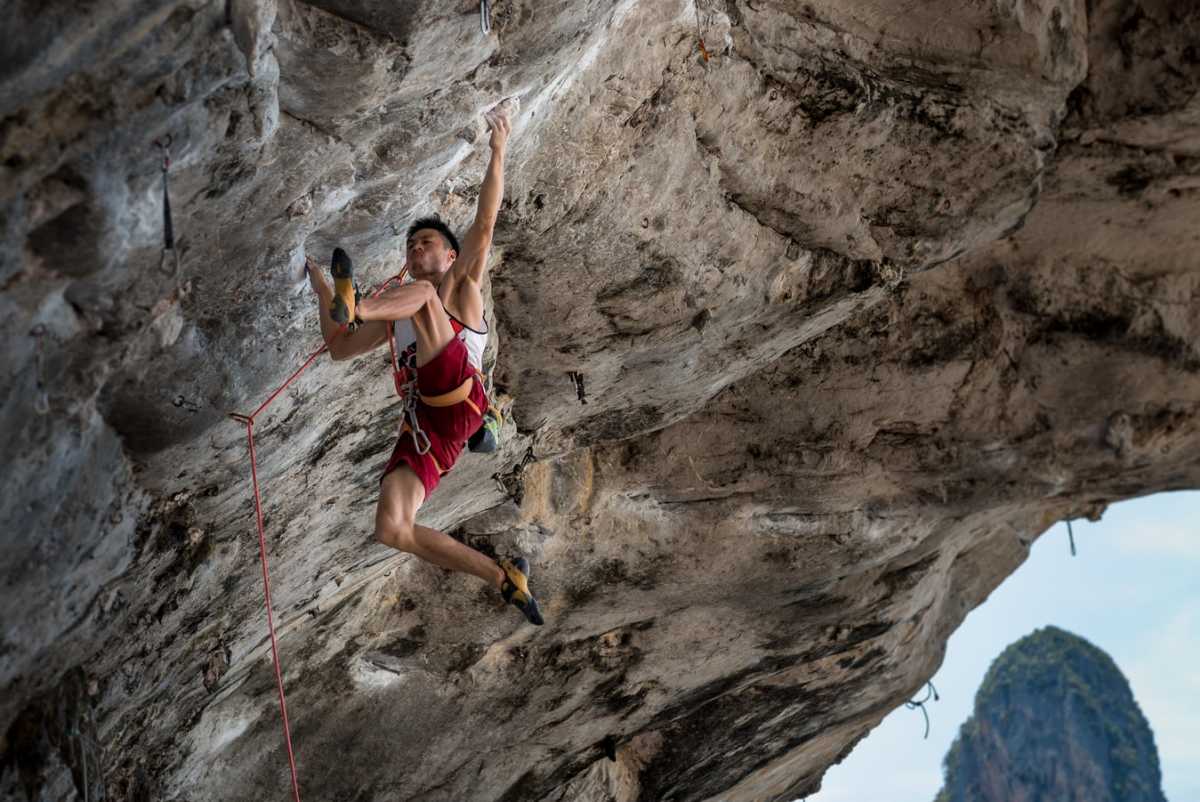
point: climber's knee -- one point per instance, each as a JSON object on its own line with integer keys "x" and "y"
{"x": 393, "y": 532}
{"x": 400, "y": 495}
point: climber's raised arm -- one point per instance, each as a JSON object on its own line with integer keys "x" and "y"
{"x": 472, "y": 262}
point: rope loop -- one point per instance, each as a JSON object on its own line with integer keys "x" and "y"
{"x": 913, "y": 704}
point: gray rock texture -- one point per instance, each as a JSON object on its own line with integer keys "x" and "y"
{"x": 861, "y": 296}
{"x": 1054, "y": 721}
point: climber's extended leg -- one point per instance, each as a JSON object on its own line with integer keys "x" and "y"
{"x": 401, "y": 494}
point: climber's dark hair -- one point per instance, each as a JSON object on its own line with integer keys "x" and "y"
{"x": 437, "y": 225}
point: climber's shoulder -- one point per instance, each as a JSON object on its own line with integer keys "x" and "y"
{"x": 463, "y": 299}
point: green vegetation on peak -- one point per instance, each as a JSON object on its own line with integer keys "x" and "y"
{"x": 1054, "y": 719}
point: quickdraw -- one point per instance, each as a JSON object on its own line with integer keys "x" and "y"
{"x": 166, "y": 266}
{"x": 41, "y": 404}
{"x": 485, "y": 17}
{"x": 410, "y": 421}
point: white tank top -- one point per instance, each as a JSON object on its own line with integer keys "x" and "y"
{"x": 406, "y": 343}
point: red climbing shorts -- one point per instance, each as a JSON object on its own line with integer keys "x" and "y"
{"x": 447, "y": 427}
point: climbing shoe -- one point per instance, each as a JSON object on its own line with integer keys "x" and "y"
{"x": 487, "y": 437}
{"x": 515, "y": 589}
{"x": 344, "y": 310}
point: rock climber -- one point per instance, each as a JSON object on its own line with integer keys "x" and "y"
{"x": 437, "y": 320}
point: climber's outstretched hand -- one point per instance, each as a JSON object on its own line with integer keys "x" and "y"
{"x": 500, "y": 125}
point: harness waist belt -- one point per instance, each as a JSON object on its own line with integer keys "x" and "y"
{"x": 455, "y": 396}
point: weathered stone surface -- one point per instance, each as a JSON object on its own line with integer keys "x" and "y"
{"x": 859, "y": 305}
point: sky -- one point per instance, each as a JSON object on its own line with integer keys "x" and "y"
{"x": 1133, "y": 590}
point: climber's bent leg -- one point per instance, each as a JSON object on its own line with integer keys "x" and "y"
{"x": 401, "y": 495}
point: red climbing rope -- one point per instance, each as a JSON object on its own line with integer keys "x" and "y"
{"x": 262, "y": 550}
{"x": 262, "y": 538}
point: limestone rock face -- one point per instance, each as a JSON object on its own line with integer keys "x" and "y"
{"x": 1055, "y": 719}
{"x": 808, "y": 317}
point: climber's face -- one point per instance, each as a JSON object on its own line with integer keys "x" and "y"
{"x": 429, "y": 255}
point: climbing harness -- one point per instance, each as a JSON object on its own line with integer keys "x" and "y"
{"x": 459, "y": 395}
{"x": 485, "y": 17}
{"x": 167, "y": 266}
{"x": 41, "y": 403}
{"x": 1071, "y": 536}
{"x": 913, "y": 704}
{"x": 408, "y": 393}
{"x": 406, "y": 387}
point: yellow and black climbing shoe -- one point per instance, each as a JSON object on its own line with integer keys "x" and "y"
{"x": 345, "y": 292}
{"x": 515, "y": 589}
